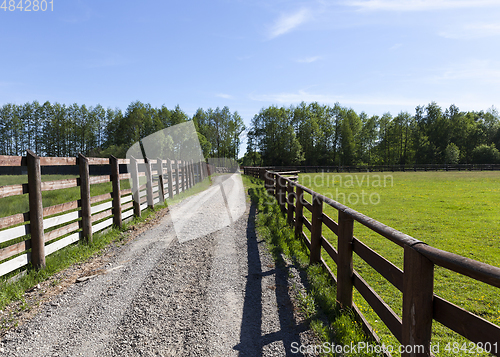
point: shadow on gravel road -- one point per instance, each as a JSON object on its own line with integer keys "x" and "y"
{"x": 252, "y": 338}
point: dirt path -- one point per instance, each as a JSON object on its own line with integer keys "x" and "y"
{"x": 217, "y": 293}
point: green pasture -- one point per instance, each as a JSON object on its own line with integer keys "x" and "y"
{"x": 454, "y": 211}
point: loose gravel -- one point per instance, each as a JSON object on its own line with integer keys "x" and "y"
{"x": 218, "y": 295}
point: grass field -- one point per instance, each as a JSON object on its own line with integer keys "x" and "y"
{"x": 455, "y": 211}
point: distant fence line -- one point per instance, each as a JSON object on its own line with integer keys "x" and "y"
{"x": 416, "y": 281}
{"x": 46, "y": 226}
{"x": 388, "y": 168}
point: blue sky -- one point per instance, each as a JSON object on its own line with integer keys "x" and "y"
{"x": 371, "y": 55}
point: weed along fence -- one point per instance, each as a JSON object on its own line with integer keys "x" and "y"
{"x": 416, "y": 281}
{"x": 30, "y": 236}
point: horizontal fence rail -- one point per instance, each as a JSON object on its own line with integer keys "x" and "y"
{"x": 416, "y": 281}
{"x": 384, "y": 168}
{"x": 44, "y": 230}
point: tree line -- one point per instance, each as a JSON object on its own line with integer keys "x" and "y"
{"x": 314, "y": 134}
{"x": 306, "y": 134}
{"x": 59, "y": 130}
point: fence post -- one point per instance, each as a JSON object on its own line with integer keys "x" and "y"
{"x": 170, "y": 179}
{"x": 261, "y": 173}
{"x": 278, "y": 189}
{"x": 135, "y": 186}
{"x": 201, "y": 171}
{"x": 267, "y": 181}
{"x": 161, "y": 184}
{"x": 195, "y": 170}
{"x": 282, "y": 198}
{"x": 183, "y": 171}
{"x": 83, "y": 162}
{"x": 36, "y": 210}
{"x": 193, "y": 173}
{"x": 268, "y": 184}
{"x": 275, "y": 185}
{"x": 417, "y": 301}
{"x": 190, "y": 174}
{"x": 344, "y": 266}
{"x": 191, "y": 165}
{"x": 185, "y": 174}
{"x": 115, "y": 178}
{"x": 149, "y": 183}
{"x": 290, "y": 196}
{"x": 177, "y": 177}
{"x": 316, "y": 223}
{"x": 283, "y": 194}
{"x": 299, "y": 198}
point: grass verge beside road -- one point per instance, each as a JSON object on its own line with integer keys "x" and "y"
{"x": 319, "y": 302}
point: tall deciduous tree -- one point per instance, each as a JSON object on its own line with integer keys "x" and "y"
{"x": 274, "y": 135}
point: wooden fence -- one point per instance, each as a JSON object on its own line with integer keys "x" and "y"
{"x": 389, "y": 168}
{"x": 41, "y": 228}
{"x": 416, "y": 281}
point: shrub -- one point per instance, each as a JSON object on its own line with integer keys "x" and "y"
{"x": 484, "y": 154}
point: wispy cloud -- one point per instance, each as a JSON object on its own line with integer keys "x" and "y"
{"x": 478, "y": 71}
{"x": 287, "y": 22}
{"x": 471, "y": 31}
{"x": 223, "y": 95}
{"x": 297, "y": 97}
{"x": 285, "y": 98}
{"x": 380, "y": 103}
{"x": 309, "y": 59}
{"x": 420, "y": 5}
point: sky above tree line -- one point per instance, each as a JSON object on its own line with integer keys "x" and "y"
{"x": 375, "y": 56}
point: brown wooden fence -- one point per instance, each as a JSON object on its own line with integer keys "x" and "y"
{"x": 80, "y": 219}
{"x": 416, "y": 281}
{"x": 389, "y": 168}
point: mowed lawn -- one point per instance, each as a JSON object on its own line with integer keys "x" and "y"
{"x": 454, "y": 211}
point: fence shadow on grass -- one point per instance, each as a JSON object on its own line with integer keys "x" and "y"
{"x": 252, "y": 337}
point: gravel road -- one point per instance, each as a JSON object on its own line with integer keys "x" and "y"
{"x": 217, "y": 293}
